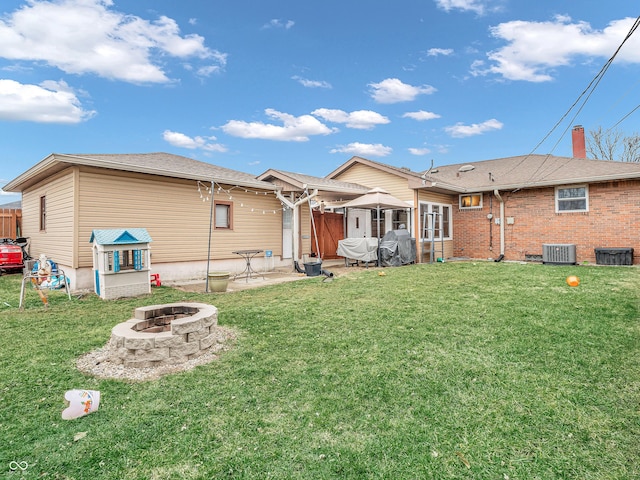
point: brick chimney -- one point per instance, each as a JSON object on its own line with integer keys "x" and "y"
{"x": 577, "y": 138}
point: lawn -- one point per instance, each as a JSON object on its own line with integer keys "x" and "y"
{"x": 469, "y": 370}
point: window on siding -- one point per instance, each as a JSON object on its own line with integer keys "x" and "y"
{"x": 435, "y": 221}
{"x": 572, "y": 199}
{"x": 374, "y": 224}
{"x": 224, "y": 215}
{"x": 471, "y": 201}
{"x": 400, "y": 217}
{"x": 43, "y": 213}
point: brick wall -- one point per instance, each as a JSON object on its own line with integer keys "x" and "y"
{"x": 613, "y": 221}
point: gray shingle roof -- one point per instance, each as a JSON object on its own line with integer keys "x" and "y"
{"x": 321, "y": 183}
{"x": 530, "y": 171}
{"x": 159, "y": 163}
{"x": 171, "y": 165}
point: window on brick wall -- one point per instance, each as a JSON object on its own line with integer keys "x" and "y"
{"x": 572, "y": 199}
{"x": 471, "y": 201}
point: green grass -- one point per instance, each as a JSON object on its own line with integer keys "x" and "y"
{"x": 446, "y": 371}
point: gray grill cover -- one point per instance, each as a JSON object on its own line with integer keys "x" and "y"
{"x": 397, "y": 248}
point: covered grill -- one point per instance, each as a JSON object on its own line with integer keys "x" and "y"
{"x": 397, "y": 248}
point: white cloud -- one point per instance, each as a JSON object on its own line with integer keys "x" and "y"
{"x": 208, "y": 70}
{"x": 534, "y": 49}
{"x": 181, "y": 140}
{"x": 360, "y": 119}
{"x": 311, "y": 83}
{"x": 277, "y": 23}
{"x": 393, "y": 90}
{"x": 88, "y": 36}
{"x": 477, "y": 6}
{"x": 421, "y": 115}
{"x": 50, "y": 102}
{"x": 419, "y": 151}
{"x": 363, "y": 149}
{"x": 434, "y": 52}
{"x": 293, "y": 129}
{"x": 460, "y": 130}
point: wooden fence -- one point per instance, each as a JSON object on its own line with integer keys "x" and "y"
{"x": 10, "y": 222}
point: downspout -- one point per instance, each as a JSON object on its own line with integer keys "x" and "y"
{"x": 206, "y": 283}
{"x": 497, "y": 194}
{"x": 416, "y": 224}
{"x": 295, "y": 220}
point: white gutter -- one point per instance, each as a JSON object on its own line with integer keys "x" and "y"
{"x": 296, "y": 217}
{"x": 497, "y": 194}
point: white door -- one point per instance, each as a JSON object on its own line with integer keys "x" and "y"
{"x": 358, "y": 225}
{"x": 287, "y": 233}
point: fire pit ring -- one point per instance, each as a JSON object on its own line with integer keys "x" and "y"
{"x": 167, "y": 334}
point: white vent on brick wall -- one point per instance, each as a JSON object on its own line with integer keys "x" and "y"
{"x": 559, "y": 254}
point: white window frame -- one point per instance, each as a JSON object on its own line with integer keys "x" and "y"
{"x": 430, "y": 206}
{"x": 470, "y": 195}
{"x": 223, "y": 218}
{"x": 559, "y": 200}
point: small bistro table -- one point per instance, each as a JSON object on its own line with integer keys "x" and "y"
{"x": 248, "y": 271}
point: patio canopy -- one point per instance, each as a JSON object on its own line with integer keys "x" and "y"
{"x": 377, "y": 199}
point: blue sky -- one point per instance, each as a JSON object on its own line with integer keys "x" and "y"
{"x": 304, "y": 85}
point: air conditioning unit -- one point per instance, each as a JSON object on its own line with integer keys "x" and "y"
{"x": 559, "y": 254}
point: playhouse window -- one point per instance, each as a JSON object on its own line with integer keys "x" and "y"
{"x": 119, "y": 260}
{"x": 471, "y": 201}
{"x": 572, "y": 199}
{"x": 224, "y": 215}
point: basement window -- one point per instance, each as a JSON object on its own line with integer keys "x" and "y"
{"x": 572, "y": 199}
{"x": 471, "y": 201}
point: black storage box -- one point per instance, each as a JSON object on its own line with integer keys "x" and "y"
{"x": 313, "y": 269}
{"x": 614, "y": 256}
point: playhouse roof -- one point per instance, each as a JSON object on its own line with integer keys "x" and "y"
{"x": 118, "y": 236}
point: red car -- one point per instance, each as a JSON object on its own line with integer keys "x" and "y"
{"x": 10, "y": 255}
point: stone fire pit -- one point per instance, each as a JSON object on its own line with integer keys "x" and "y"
{"x": 168, "y": 334}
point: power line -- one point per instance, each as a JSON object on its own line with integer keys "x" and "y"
{"x": 622, "y": 119}
{"x": 622, "y": 97}
{"x": 588, "y": 91}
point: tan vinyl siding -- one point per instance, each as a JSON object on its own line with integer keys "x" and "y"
{"x": 448, "y": 251}
{"x": 427, "y": 196}
{"x": 373, "y": 177}
{"x": 56, "y": 241}
{"x": 175, "y": 216}
{"x": 305, "y": 229}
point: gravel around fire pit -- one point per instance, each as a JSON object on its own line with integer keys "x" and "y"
{"x": 97, "y": 364}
